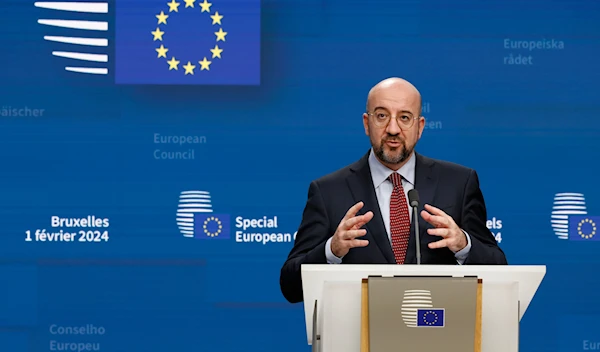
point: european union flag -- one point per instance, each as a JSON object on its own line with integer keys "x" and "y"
{"x": 584, "y": 228}
{"x": 202, "y": 42}
{"x": 211, "y": 226}
{"x": 433, "y": 317}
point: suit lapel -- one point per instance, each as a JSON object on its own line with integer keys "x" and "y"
{"x": 361, "y": 186}
{"x": 425, "y": 184}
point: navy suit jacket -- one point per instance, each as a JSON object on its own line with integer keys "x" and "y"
{"x": 452, "y": 188}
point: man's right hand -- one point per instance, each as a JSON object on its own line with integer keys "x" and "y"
{"x": 349, "y": 229}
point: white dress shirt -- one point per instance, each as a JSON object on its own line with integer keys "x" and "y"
{"x": 383, "y": 191}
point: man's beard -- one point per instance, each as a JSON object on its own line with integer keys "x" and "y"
{"x": 402, "y": 152}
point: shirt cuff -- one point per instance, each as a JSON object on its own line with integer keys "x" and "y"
{"x": 462, "y": 255}
{"x": 331, "y": 258}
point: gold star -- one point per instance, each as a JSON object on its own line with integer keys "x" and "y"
{"x": 216, "y": 52}
{"x": 205, "y": 64}
{"x": 220, "y": 34}
{"x": 189, "y": 3}
{"x": 216, "y": 18}
{"x": 162, "y": 18}
{"x": 206, "y": 6}
{"x": 162, "y": 51}
{"x": 158, "y": 34}
{"x": 173, "y": 6}
{"x": 173, "y": 64}
{"x": 189, "y": 68}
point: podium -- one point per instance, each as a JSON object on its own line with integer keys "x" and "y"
{"x": 343, "y": 315}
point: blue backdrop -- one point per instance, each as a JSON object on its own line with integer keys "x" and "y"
{"x": 510, "y": 88}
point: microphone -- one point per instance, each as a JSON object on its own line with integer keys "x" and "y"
{"x": 413, "y": 200}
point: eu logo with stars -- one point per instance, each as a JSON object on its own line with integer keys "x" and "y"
{"x": 208, "y": 42}
{"x": 584, "y": 228}
{"x": 433, "y": 317}
{"x": 211, "y": 226}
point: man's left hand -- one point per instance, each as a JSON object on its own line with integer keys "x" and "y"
{"x": 452, "y": 236}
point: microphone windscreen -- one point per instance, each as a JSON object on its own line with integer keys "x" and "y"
{"x": 413, "y": 198}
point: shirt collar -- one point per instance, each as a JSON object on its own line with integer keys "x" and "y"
{"x": 380, "y": 172}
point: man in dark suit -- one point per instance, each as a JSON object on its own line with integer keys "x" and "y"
{"x": 359, "y": 214}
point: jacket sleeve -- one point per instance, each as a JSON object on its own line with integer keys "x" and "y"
{"x": 309, "y": 246}
{"x": 484, "y": 248}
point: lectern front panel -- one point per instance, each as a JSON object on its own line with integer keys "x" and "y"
{"x": 422, "y": 313}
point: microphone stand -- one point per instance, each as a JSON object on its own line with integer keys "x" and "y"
{"x": 417, "y": 237}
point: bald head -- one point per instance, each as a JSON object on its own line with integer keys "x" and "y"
{"x": 396, "y": 89}
{"x": 393, "y": 139}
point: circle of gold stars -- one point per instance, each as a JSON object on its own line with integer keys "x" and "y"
{"x": 208, "y": 221}
{"x": 173, "y": 62}
{"x": 586, "y": 236}
{"x": 427, "y": 314}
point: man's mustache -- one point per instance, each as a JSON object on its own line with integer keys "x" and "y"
{"x": 393, "y": 139}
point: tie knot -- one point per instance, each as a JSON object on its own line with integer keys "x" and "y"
{"x": 396, "y": 179}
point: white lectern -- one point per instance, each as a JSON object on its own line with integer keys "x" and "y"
{"x": 335, "y": 292}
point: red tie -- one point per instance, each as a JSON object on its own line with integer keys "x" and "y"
{"x": 399, "y": 220}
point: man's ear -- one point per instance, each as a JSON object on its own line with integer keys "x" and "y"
{"x": 366, "y": 123}
{"x": 421, "y": 125}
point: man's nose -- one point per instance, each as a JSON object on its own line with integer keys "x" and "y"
{"x": 393, "y": 128}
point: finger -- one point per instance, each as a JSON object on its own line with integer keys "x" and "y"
{"x": 435, "y": 220}
{"x": 353, "y": 210}
{"x": 352, "y": 234}
{"x": 433, "y": 210}
{"x": 442, "y": 232}
{"x": 358, "y": 221}
{"x": 358, "y": 243}
{"x": 438, "y": 244}
{"x": 365, "y": 218}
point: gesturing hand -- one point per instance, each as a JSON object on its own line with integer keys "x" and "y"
{"x": 452, "y": 236}
{"x": 349, "y": 229}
